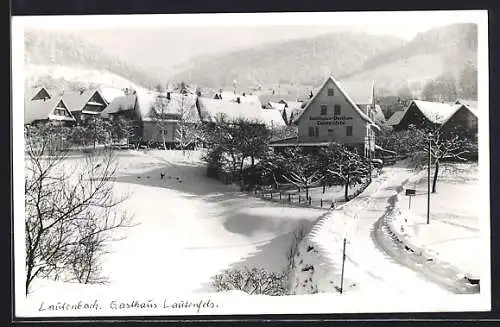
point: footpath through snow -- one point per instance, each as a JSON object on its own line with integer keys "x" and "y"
{"x": 368, "y": 268}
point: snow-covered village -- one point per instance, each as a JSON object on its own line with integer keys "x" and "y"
{"x": 334, "y": 164}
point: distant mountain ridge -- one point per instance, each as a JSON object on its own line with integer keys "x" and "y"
{"x": 391, "y": 62}
{"x": 300, "y": 61}
{"x": 50, "y": 48}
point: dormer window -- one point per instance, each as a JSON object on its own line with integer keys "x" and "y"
{"x": 330, "y": 92}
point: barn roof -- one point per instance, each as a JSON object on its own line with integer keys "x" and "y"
{"x": 41, "y": 109}
{"x": 435, "y": 112}
{"x": 378, "y": 115}
{"x": 461, "y": 107}
{"x": 395, "y": 118}
{"x": 75, "y": 101}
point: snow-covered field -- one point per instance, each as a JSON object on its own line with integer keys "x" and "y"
{"x": 191, "y": 227}
{"x": 453, "y": 232}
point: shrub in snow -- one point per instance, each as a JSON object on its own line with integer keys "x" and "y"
{"x": 251, "y": 281}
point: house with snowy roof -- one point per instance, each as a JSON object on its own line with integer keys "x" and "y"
{"x": 462, "y": 122}
{"x": 36, "y": 93}
{"x": 332, "y": 115}
{"x": 84, "y": 104}
{"x": 425, "y": 114}
{"x": 156, "y": 116}
{"x": 52, "y": 110}
{"x": 395, "y": 118}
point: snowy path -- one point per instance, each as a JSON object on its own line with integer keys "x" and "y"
{"x": 368, "y": 266}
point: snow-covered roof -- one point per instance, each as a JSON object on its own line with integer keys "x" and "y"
{"x": 395, "y": 118}
{"x": 345, "y": 94}
{"x": 42, "y": 109}
{"x": 247, "y": 98}
{"x": 266, "y": 98}
{"x": 272, "y": 118}
{"x": 461, "y": 107}
{"x": 75, "y": 101}
{"x": 436, "y": 112}
{"x": 120, "y": 104}
{"x": 277, "y": 105}
{"x": 470, "y": 103}
{"x": 211, "y": 110}
{"x": 31, "y": 92}
{"x": 110, "y": 93}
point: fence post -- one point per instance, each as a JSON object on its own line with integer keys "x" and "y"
{"x": 299, "y": 198}
{"x": 271, "y": 194}
{"x": 280, "y": 195}
{"x": 321, "y": 202}
{"x": 289, "y": 197}
{"x": 309, "y": 200}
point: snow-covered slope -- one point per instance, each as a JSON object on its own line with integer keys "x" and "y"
{"x": 36, "y": 73}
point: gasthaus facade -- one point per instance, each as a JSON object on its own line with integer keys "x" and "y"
{"x": 331, "y": 115}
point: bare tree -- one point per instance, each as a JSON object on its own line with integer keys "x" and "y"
{"x": 158, "y": 113}
{"x": 70, "y": 210}
{"x": 347, "y": 167}
{"x": 186, "y": 131}
{"x": 302, "y": 170}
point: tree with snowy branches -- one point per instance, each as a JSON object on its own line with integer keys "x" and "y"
{"x": 301, "y": 169}
{"x": 347, "y": 167}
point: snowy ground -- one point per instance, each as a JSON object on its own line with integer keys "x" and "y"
{"x": 191, "y": 227}
{"x": 453, "y": 232}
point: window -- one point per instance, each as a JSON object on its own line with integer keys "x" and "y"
{"x": 311, "y": 131}
{"x": 317, "y": 131}
{"x": 323, "y": 109}
{"x": 330, "y": 132}
{"x": 330, "y": 92}
{"x": 349, "y": 130}
{"x": 337, "y": 110}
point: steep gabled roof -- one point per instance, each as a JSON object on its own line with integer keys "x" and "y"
{"x": 344, "y": 93}
{"x": 461, "y": 107}
{"x": 76, "y": 101}
{"x": 121, "y": 104}
{"x": 41, "y": 110}
{"x": 395, "y": 118}
{"x": 435, "y": 112}
{"x": 31, "y": 92}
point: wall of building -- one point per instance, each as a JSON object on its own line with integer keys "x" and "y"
{"x": 152, "y": 132}
{"x": 336, "y": 123}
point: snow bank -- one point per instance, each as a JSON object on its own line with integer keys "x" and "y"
{"x": 406, "y": 227}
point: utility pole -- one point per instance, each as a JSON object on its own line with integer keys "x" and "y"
{"x": 343, "y": 264}
{"x": 429, "y": 181}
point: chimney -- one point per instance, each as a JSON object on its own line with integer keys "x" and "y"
{"x": 81, "y": 91}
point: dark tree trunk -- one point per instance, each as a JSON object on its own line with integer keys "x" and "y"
{"x": 307, "y": 192}
{"x": 434, "y": 180}
{"x": 346, "y": 192}
{"x": 324, "y": 188}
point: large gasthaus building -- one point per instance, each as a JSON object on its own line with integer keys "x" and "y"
{"x": 332, "y": 115}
